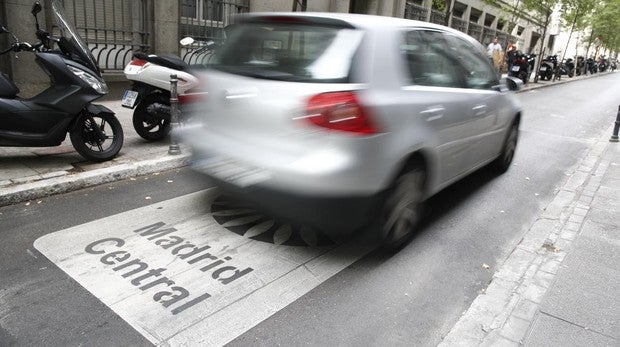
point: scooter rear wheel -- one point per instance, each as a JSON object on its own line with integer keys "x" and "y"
{"x": 150, "y": 126}
{"x": 97, "y": 137}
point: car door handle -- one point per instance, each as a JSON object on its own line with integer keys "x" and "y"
{"x": 433, "y": 113}
{"x": 479, "y": 110}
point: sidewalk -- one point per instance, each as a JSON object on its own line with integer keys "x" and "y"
{"x": 31, "y": 173}
{"x": 582, "y": 306}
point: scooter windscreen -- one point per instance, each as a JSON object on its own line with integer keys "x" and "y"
{"x": 71, "y": 43}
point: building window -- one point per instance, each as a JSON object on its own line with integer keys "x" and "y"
{"x": 202, "y": 10}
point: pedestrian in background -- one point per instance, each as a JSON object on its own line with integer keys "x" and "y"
{"x": 496, "y": 54}
{"x": 511, "y": 52}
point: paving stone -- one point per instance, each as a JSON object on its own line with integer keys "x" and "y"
{"x": 515, "y": 328}
{"x": 578, "y": 211}
{"x": 550, "y": 331}
{"x": 586, "y": 291}
{"x": 534, "y": 293}
{"x": 568, "y": 235}
{"x": 516, "y": 265}
{"x": 572, "y": 226}
{"x": 561, "y": 201}
{"x": 525, "y": 309}
{"x": 550, "y": 266}
{"x": 495, "y": 339}
{"x": 538, "y": 233}
{"x": 575, "y": 181}
{"x": 543, "y": 279}
{"x": 574, "y": 218}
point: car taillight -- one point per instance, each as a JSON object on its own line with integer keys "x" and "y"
{"x": 138, "y": 62}
{"x": 339, "y": 111}
{"x": 191, "y": 97}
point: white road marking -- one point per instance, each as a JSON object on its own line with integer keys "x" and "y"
{"x": 179, "y": 278}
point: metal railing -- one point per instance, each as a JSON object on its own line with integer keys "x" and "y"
{"x": 438, "y": 17}
{"x": 459, "y": 24}
{"x": 113, "y": 29}
{"x": 415, "y": 12}
{"x": 474, "y": 30}
{"x": 205, "y": 21}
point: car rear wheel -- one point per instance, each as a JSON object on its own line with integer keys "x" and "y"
{"x": 402, "y": 209}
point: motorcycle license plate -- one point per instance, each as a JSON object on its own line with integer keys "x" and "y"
{"x": 129, "y": 98}
{"x": 543, "y": 68}
{"x": 515, "y": 68}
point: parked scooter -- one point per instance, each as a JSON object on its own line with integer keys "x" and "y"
{"x": 603, "y": 64}
{"x": 591, "y": 66}
{"x": 548, "y": 67}
{"x": 150, "y": 91}
{"x": 580, "y": 66}
{"x": 568, "y": 67}
{"x": 522, "y": 66}
{"x": 65, "y": 107}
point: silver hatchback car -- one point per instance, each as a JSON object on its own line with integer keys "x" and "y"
{"x": 343, "y": 120}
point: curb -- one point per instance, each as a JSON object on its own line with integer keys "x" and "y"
{"x": 71, "y": 182}
{"x": 537, "y": 85}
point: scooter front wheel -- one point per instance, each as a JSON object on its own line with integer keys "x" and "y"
{"x": 97, "y": 137}
{"x": 149, "y": 126}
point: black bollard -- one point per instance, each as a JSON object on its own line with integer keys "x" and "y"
{"x": 614, "y": 136}
{"x": 174, "y": 148}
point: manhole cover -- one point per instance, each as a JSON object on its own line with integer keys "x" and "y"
{"x": 240, "y": 218}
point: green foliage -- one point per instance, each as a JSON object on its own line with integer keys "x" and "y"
{"x": 440, "y": 5}
{"x": 605, "y": 23}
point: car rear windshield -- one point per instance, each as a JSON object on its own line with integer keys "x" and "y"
{"x": 289, "y": 52}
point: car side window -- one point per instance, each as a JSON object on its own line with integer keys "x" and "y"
{"x": 428, "y": 60}
{"x": 478, "y": 72}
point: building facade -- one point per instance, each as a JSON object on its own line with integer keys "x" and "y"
{"x": 114, "y": 29}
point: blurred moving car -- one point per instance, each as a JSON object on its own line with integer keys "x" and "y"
{"x": 344, "y": 120}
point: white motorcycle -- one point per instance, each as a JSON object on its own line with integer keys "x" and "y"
{"x": 149, "y": 95}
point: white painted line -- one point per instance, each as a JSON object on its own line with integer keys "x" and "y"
{"x": 180, "y": 278}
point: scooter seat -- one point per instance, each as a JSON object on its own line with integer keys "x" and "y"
{"x": 8, "y": 89}
{"x": 169, "y": 61}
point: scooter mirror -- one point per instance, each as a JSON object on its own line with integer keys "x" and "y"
{"x": 36, "y": 8}
{"x": 3, "y": 30}
{"x": 186, "y": 41}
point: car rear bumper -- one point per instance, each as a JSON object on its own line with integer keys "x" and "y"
{"x": 336, "y": 214}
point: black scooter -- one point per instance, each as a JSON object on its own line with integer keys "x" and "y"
{"x": 548, "y": 67}
{"x": 522, "y": 66}
{"x": 65, "y": 107}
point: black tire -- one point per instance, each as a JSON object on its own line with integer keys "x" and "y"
{"x": 86, "y": 140}
{"x": 149, "y": 126}
{"x": 502, "y": 163}
{"x": 402, "y": 209}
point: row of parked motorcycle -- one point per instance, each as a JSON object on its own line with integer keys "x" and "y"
{"x": 523, "y": 64}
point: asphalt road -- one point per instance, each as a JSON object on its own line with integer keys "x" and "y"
{"x": 412, "y": 297}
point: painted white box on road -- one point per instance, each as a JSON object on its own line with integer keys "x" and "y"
{"x": 175, "y": 274}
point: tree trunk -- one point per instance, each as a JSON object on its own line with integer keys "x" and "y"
{"x": 572, "y": 28}
{"x": 542, "y": 46}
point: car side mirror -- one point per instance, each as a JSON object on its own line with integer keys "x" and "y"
{"x": 36, "y": 8}
{"x": 512, "y": 83}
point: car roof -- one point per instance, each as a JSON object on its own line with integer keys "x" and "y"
{"x": 362, "y": 21}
